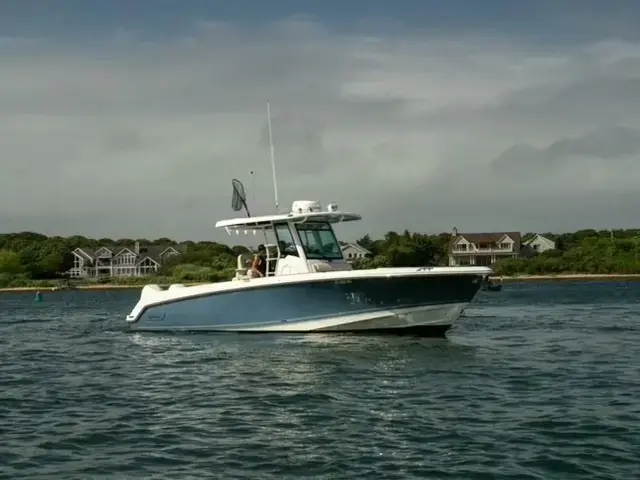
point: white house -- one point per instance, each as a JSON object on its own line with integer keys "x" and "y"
{"x": 482, "y": 248}
{"x": 354, "y": 251}
{"x": 111, "y": 261}
{"x": 539, "y": 243}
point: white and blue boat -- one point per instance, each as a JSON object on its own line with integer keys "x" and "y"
{"x": 309, "y": 286}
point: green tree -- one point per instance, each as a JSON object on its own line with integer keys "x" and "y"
{"x": 10, "y": 262}
{"x": 30, "y": 256}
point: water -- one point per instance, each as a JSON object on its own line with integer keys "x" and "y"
{"x": 538, "y": 381}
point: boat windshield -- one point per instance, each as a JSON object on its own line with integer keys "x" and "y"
{"x": 319, "y": 241}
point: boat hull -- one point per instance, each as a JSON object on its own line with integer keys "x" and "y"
{"x": 420, "y": 304}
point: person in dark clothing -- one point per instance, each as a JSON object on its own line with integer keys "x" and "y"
{"x": 259, "y": 265}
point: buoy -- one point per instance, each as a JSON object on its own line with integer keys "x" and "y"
{"x": 38, "y": 297}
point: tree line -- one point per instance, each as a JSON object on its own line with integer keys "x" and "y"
{"x": 28, "y": 258}
{"x": 583, "y": 252}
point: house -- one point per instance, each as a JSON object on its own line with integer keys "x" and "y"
{"x": 112, "y": 261}
{"x": 482, "y": 249}
{"x": 539, "y": 243}
{"x": 354, "y": 251}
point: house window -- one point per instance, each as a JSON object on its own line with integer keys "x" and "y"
{"x": 126, "y": 259}
{"x": 536, "y": 247}
{"x": 505, "y": 246}
{"x": 483, "y": 260}
{"x": 147, "y": 267}
{"x": 461, "y": 248}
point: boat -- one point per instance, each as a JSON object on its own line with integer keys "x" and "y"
{"x": 307, "y": 285}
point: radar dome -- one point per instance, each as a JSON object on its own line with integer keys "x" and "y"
{"x": 306, "y": 206}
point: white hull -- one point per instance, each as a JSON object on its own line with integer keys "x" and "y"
{"x": 433, "y": 320}
{"x": 430, "y": 316}
{"x": 416, "y": 301}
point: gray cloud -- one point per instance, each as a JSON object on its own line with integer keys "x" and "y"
{"x": 610, "y": 142}
{"x": 138, "y": 138}
{"x": 607, "y": 143}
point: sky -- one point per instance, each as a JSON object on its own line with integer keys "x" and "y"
{"x": 130, "y": 118}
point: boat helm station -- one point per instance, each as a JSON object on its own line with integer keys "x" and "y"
{"x": 302, "y": 241}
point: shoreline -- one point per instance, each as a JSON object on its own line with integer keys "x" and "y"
{"x": 89, "y": 288}
{"x": 583, "y": 277}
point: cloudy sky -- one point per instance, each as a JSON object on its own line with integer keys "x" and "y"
{"x": 129, "y": 118}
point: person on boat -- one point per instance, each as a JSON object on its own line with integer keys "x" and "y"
{"x": 259, "y": 265}
{"x": 286, "y": 249}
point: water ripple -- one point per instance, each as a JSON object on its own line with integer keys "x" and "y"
{"x": 537, "y": 382}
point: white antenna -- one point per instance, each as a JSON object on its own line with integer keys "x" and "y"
{"x": 253, "y": 191}
{"x": 273, "y": 158}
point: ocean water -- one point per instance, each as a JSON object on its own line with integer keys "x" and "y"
{"x": 535, "y": 382}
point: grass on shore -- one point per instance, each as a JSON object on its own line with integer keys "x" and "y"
{"x": 27, "y": 285}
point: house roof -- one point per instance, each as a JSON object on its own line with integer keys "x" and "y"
{"x": 546, "y": 240}
{"x": 88, "y": 253}
{"x": 152, "y": 251}
{"x": 355, "y": 246}
{"x": 488, "y": 237}
{"x": 142, "y": 258}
